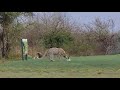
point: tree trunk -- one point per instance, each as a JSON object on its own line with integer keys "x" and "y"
{"x": 5, "y": 44}
{"x": 7, "y": 49}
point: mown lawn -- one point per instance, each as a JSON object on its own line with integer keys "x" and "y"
{"x": 79, "y": 67}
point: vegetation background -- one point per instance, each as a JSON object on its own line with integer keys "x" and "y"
{"x": 56, "y": 29}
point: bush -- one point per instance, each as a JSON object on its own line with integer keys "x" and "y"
{"x": 57, "y": 39}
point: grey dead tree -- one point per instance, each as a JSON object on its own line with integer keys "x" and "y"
{"x": 99, "y": 34}
{"x": 114, "y": 48}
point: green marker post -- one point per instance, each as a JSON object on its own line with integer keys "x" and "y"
{"x": 24, "y": 47}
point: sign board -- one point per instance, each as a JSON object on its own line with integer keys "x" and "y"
{"x": 24, "y": 46}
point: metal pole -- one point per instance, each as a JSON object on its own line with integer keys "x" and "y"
{"x": 22, "y": 49}
{"x": 26, "y": 57}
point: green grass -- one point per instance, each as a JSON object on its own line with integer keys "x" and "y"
{"x": 80, "y": 67}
